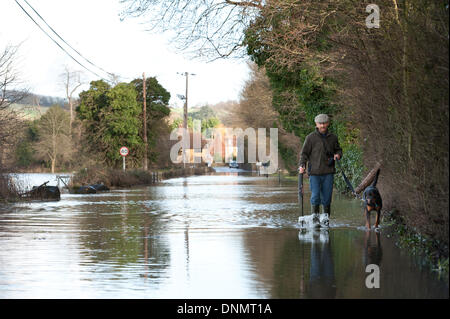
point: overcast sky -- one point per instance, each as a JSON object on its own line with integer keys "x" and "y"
{"x": 94, "y": 29}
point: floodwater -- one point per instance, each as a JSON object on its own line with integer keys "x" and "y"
{"x": 215, "y": 236}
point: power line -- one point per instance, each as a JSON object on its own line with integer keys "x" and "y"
{"x": 79, "y": 63}
{"x": 63, "y": 39}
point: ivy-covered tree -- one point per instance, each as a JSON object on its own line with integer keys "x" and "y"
{"x": 300, "y": 90}
{"x": 157, "y": 97}
{"x": 24, "y": 153}
{"x": 157, "y": 104}
{"x": 111, "y": 120}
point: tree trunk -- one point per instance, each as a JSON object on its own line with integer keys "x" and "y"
{"x": 71, "y": 115}
{"x": 405, "y": 79}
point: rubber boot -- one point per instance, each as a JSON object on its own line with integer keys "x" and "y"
{"x": 327, "y": 210}
{"x": 315, "y": 210}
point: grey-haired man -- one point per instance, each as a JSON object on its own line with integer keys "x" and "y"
{"x": 320, "y": 150}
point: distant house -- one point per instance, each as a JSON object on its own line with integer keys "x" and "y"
{"x": 218, "y": 148}
{"x": 223, "y": 148}
{"x": 197, "y": 148}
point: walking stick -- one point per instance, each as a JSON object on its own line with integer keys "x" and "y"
{"x": 300, "y": 191}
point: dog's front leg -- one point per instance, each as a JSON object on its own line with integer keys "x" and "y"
{"x": 377, "y": 220}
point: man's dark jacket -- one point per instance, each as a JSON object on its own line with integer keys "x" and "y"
{"x": 314, "y": 151}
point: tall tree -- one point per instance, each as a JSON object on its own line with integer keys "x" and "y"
{"x": 157, "y": 103}
{"x": 71, "y": 81}
{"x": 255, "y": 107}
{"x": 390, "y": 85}
{"x": 10, "y": 93}
{"x": 54, "y": 138}
{"x": 110, "y": 117}
{"x": 206, "y": 28}
{"x": 386, "y": 86}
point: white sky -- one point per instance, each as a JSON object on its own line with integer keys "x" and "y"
{"x": 94, "y": 29}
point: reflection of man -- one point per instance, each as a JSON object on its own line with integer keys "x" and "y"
{"x": 320, "y": 150}
{"x": 321, "y": 272}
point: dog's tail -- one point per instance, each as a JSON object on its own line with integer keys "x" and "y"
{"x": 375, "y": 180}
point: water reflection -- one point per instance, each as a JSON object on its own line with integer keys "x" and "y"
{"x": 321, "y": 275}
{"x": 125, "y": 239}
{"x": 373, "y": 252}
{"x": 186, "y": 232}
{"x": 213, "y": 236}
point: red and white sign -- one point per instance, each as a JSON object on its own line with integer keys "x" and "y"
{"x": 124, "y": 151}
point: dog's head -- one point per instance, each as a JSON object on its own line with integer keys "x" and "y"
{"x": 371, "y": 196}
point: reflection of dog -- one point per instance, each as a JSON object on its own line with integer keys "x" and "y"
{"x": 372, "y": 201}
{"x": 373, "y": 252}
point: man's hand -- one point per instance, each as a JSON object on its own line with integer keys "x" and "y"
{"x": 301, "y": 169}
{"x": 337, "y": 157}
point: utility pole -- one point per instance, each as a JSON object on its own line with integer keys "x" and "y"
{"x": 144, "y": 85}
{"x": 185, "y": 115}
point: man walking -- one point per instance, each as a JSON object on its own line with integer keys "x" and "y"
{"x": 320, "y": 150}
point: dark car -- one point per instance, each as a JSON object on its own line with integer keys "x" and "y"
{"x": 233, "y": 164}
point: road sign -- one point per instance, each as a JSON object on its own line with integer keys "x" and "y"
{"x": 124, "y": 151}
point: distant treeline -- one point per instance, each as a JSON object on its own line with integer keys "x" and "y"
{"x": 35, "y": 99}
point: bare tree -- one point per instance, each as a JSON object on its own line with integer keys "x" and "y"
{"x": 255, "y": 105}
{"x": 114, "y": 79}
{"x": 71, "y": 81}
{"x": 204, "y": 28}
{"x": 255, "y": 110}
{"x": 54, "y": 138}
{"x": 10, "y": 93}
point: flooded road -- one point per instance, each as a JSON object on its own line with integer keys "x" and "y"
{"x": 214, "y": 236}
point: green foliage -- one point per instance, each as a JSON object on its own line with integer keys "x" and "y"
{"x": 204, "y": 112}
{"x": 352, "y": 164}
{"x": 24, "y": 150}
{"x": 157, "y": 97}
{"x": 157, "y": 100}
{"x": 299, "y": 94}
{"x": 122, "y": 122}
{"x": 93, "y": 102}
{"x": 210, "y": 122}
{"x": 111, "y": 119}
{"x": 179, "y": 123}
{"x": 289, "y": 157}
{"x": 432, "y": 251}
{"x": 299, "y": 97}
{"x": 24, "y": 154}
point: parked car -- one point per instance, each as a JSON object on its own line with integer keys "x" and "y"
{"x": 233, "y": 164}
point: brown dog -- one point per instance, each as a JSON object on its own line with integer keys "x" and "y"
{"x": 372, "y": 201}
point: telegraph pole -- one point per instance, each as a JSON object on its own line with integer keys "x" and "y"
{"x": 185, "y": 119}
{"x": 144, "y": 85}
{"x": 185, "y": 114}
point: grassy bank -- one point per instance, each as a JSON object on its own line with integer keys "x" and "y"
{"x": 433, "y": 253}
{"x": 120, "y": 178}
